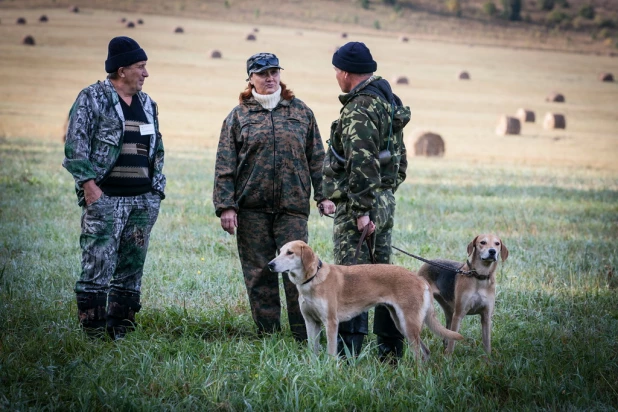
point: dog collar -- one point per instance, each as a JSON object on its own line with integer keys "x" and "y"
{"x": 316, "y": 272}
{"x": 473, "y": 273}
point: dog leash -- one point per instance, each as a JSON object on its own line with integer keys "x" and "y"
{"x": 469, "y": 273}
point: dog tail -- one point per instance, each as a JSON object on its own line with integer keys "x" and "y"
{"x": 434, "y": 325}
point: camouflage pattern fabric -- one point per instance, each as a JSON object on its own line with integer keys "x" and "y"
{"x": 114, "y": 241}
{"x": 260, "y": 236}
{"x": 358, "y": 136}
{"x": 267, "y": 161}
{"x": 94, "y": 137}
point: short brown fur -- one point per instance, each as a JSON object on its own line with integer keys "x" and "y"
{"x": 333, "y": 293}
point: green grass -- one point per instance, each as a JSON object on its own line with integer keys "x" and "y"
{"x": 555, "y": 325}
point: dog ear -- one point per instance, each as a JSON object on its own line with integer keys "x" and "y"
{"x": 472, "y": 245}
{"x": 504, "y": 252}
{"x": 306, "y": 261}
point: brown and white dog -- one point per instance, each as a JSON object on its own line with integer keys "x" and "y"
{"x": 329, "y": 294}
{"x": 474, "y": 293}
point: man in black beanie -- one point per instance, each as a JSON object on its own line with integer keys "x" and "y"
{"x": 115, "y": 153}
{"x": 363, "y": 167}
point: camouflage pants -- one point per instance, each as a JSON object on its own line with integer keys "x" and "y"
{"x": 260, "y": 236}
{"x": 346, "y": 237}
{"x": 114, "y": 242}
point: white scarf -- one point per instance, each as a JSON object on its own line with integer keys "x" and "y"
{"x": 268, "y": 101}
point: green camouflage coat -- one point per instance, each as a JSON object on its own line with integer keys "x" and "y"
{"x": 357, "y": 137}
{"x": 94, "y": 137}
{"x": 267, "y": 161}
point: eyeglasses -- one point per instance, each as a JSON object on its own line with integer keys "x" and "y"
{"x": 269, "y": 61}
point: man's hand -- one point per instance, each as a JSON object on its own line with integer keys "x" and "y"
{"x": 229, "y": 221}
{"x": 363, "y": 221}
{"x": 326, "y": 207}
{"x": 92, "y": 192}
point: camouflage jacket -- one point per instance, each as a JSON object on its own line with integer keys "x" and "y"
{"x": 268, "y": 160}
{"x": 94, "y": 137}
{"x": 353, "y": 170}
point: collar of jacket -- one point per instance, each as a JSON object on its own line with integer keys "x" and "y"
{"x": 255, "y": 106}
{"x": 344, "y": 98}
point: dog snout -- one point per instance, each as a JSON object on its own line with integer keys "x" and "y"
{"x": 272, "y": 265}
{"x": 492, "y": 252}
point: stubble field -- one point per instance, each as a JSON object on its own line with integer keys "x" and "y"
{"x": 551, "y": 195}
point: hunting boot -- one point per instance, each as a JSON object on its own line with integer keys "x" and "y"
{"x": 91, "y": 312}
{"x": 121, "y": 310}
{"x": 390, "y": 350}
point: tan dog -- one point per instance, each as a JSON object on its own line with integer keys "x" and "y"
{"x": 330, "y": 294}
{"x": 471, "y": 294}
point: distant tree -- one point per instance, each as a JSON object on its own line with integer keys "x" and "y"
{"x": 563, "y": 3}
{"x": 546, "y": 5}
{"x": 490, "y": 8}
{"x": 587, "y": 11}
{"x": 389, "y": 2}
{"x": 454, "y": 6}
{"x": 365, "y": 4}
{"x": 512, "y": 9}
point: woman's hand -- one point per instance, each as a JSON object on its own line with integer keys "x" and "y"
{"x": 327, "y": 207}
{"x": 229, "y": 221}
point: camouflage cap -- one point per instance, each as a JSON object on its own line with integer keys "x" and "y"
{"x": 262, "y": 61}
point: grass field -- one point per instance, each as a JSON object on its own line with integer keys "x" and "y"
{"x": 551, "y": 196}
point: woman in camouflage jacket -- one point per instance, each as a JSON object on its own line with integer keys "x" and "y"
{"x": 270, "y": 154}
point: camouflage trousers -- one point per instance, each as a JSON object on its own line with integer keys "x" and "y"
{"x": 345, "y": 239}
{"x": 114, "y": 242}
{"x": 260, "y": 236}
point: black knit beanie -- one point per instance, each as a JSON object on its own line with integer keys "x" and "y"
{"x": 122, "y": 52}
{"x": 354, "y": 57}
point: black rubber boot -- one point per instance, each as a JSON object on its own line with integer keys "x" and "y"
{"x": 390, "y": 349}
{"x": 353, "y": 341}
{"x": 91, "y": 312}
{"x": 121, "y": 310}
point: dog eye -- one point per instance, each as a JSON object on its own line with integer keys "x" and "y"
{"x": 497, "y": 243}
{"x": 483, "y": 242}
{"x": 289, "y": 252}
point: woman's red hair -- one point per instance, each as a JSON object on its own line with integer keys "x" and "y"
{"x": 246, "y": 94}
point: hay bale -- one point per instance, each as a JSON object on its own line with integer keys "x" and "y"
{"x": 74, "y": 9}
{"x": 525, "y": 116}
{"x": 28, "y": 41}
{"x": 464, "y": 75}
{"x": 554, "y": 121}
{"x": 508, "y": 125}
{"x": 43, "y": 19}
{"x": 250, "y": 37}
{"x": 606, "y": 77}
{"x": 215, "y": 54}
{"x": 555, "y": 97}
{"x": 123, "y": 20}
{"x": 130, "y": 25}
{"x": 403, "y": 39}
{"x": 344, "y": 35}
{"x": 21, "y": 20}
{"x": 400, "y": 80}
{"x": 140, "y": 21}
{"x": 429, "y": 144}
{"x": 179, "y": 30}
{"x": 256, "y": 30}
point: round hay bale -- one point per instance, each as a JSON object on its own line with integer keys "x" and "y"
{"x": 130, "y": 25}
{"x": 140, "y": 21}
{"x": 525, "y": 116}
{"x": 250, "y": 37}
{"x": 400, "y": 80}
{"x": 74, "y": 9}
{"x": 123, "y": 20}
{"x": 555, "y": 97}
{"x": 28, "y": 41}
{"x": 256, "y": 30}
{"x": 43, "y": 19}
{"x": 429, "y": 144}
{"x": 403, "y": 39}
{"x": 508, "y": 125}
{"x": 179, "y": 30}
{"x": 21, "y": 20}
{"x": 464, "y": 75}
{"x": 554, "y": 121}
{"x": 344, "y": 35}
{"x": 606, "y": 77}
{"x": 215, "y": 54}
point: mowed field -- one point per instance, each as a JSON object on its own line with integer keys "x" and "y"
{"x": 195, "y": 92}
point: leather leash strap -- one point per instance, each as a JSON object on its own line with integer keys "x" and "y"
{"x": 369, "y": 239}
